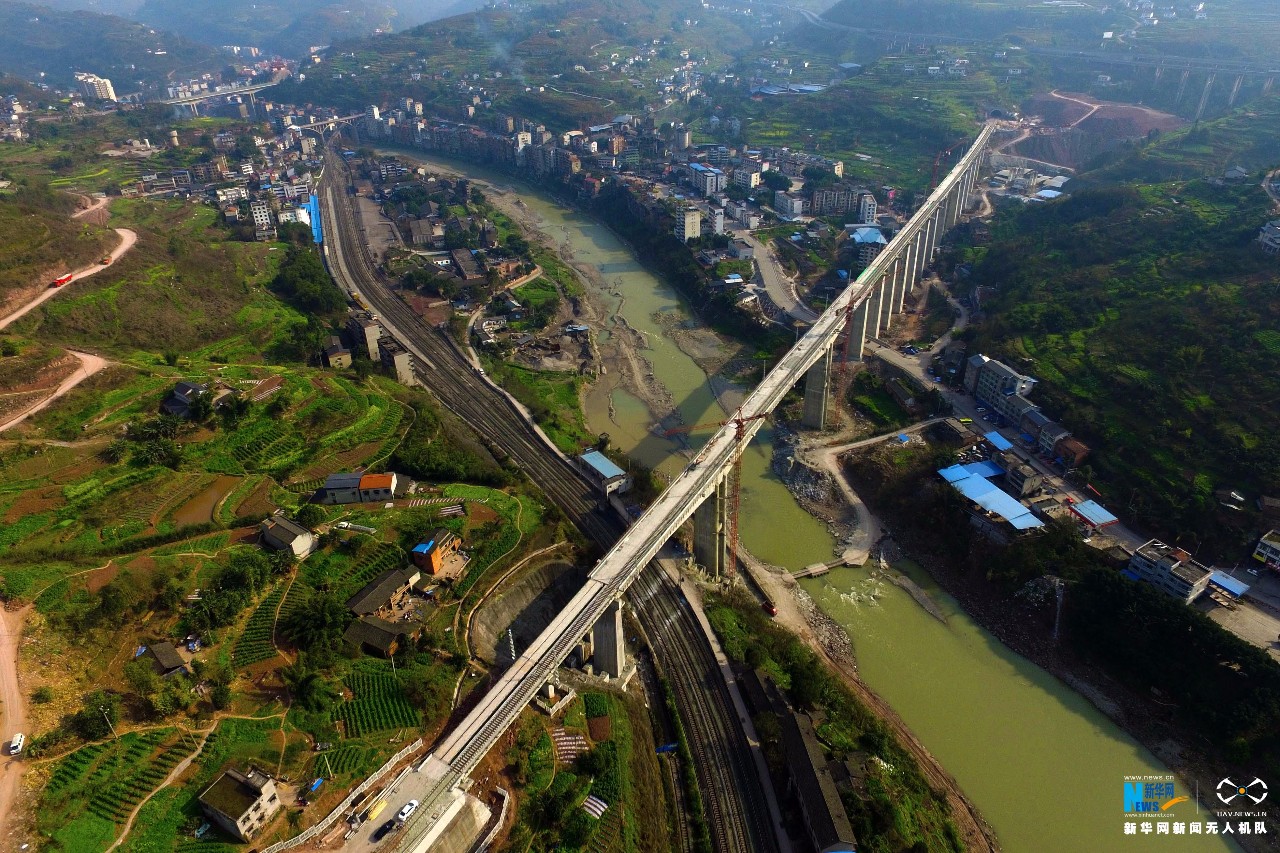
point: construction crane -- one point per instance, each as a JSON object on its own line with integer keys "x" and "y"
{"x": 937, "y": 162}
{"x": 735, "y": 476}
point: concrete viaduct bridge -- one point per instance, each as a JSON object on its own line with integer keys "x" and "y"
{"x": 867, "y": 306}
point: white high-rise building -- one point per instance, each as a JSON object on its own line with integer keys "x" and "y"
{"x": 866, "y": 208}
{"x": 689, "y": 224}
{"x": 96, "y": 87}
{"x": 372, "y": 112}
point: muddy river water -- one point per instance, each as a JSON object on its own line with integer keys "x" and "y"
{"x": 1043, "y": 765}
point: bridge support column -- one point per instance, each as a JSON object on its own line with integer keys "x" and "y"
{"x": 873, "y": 311}
{"x": 888, "y": 299}
{"x": 895, "y": 281}
{"x": 608, "y": 653}
{"x": 709, "y": 529}
{"x": 917, "y": 259}
{"x": 817, "y": 385}
{"x": 857, "y": 331}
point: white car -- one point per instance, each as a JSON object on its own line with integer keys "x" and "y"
{"x": 407, "y": 810}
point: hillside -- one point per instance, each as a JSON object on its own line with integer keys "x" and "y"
{"x": 39, "y": 241}
{"x": 36, "y": 40}
{"x": 1148, "y": 311}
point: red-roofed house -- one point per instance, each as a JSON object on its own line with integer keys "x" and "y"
{"x": 377, "y": 487}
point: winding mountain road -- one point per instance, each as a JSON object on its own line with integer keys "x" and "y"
{"x": 127, "y": 240}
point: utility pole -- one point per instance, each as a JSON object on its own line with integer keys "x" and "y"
{"x": 105, "y": 716}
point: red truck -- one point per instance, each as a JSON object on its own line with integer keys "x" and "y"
{"x": 61, "y": 280}
{"x": 768, "y": 607}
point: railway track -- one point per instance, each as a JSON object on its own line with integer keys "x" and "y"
{"x": 731, "y": 789}
{"x": 732, "y": 798}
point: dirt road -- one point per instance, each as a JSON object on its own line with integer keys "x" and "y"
{"x": 127, "y": 239}
{"x": 94, "y": 204}
{"x": 13, "y": 713}
{"x": 89, "y": 365}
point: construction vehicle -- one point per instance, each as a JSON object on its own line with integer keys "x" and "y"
{"x": 61, "y": 280}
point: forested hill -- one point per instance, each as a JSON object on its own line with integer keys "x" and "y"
{"x": 1147, "y": 308}
{"x": 37, "y": 40}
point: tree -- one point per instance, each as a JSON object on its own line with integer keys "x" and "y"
{"x": 220, "y": 696}
{"x": 141, "y": 676}
{"x": 200, "y": 409}
{"x": 99, "y": 712}
{"x": 316, "y": 625}
{"x": 774, "y": 180}
{"x": 308, "y": 688}
{"x": 234, "y": 409}
{"x": 309, "y": 515}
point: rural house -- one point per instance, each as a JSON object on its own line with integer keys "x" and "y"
{"x": 339, "y": 489}
{"x": 282, "y": 534}
{"x": 430, "y": 555}
{"x": 374, "y": 636}
{"x": 377, "y": 487}
{"x": 179, "y": 401}
{"x": 241, "y": 803}
{"x": 165, "y": 658}
{"x": 385, "y": 594}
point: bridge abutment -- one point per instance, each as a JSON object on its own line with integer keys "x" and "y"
{"x": 608, "y": 653}
{"x": 709, "y": 530}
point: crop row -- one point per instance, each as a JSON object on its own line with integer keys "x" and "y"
{"x": 371, "y": 566}
{"x": 255, "y": 643}
{"x": 379, "y": 704}
{"x": 116, "y": 801}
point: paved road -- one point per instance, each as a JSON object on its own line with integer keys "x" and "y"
{"x": 127, "y": 240}
{"x": 13, "y": 711}
{"x": 89, "y": 365}
{"x": 779, "y": 286}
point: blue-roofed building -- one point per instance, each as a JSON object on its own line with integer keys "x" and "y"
{"x": 1093, "y": 514}
{"x": 998, "y": 441}
{"x": 988, "y": 500}
{"x": 1228, "y": 584}
{"x": 602, "y": 471}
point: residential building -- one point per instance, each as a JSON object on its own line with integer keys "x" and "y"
{"x": 396, "y": 360}
{"x": 241, "y": 804}
{"x": 867, "y": 207}
{"x": 741, "y": 249}
{"x": 430, "y": 555}
{"x": 688, "y": 224}
{"x": 746, "y": 176}
{"x": 1269, "y": 237}
{"x": 372, "y": 112}
{"x": 1022, "y": 480}
{"x": 283, "y": 534}
{"x": 715, "y": 220}
{"x": 374, "y": 636}
{"x": 707, "y": 179}
{"x": 467, "y": 265}
{"x": 790, "y": 205}
{"x": 364, "y": 329}
{"x": 973, "y": 370}
{"x": 833, "y": 201}
{"x": 607, "y": 476}
{"x": 997, "y": 380}
{"x": 867, "y": 242}
{"x": 377, "y": 487}
{"x": 1072, "y": 451}
{"x": 339, "y": 489}
{"x": 165, "y": 659}
{"x": 1170, "y": 569}
{"x": 179, "y": 401}
{"x": 261, "y": 213}
{"x": 1268, "y": 550}
{"x": 96, "y": 87}
{"x": 337, "y": 356}
{"x": 385, "y": 595}
{"x": 1050, "y": 434}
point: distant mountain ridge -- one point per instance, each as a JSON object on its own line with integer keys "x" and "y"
{"x": 38, "y": 39}
{"x": 284, "y": 27}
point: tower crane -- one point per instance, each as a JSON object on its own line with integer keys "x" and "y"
{"x": 735, "y": 475}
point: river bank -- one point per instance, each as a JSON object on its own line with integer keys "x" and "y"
{"x": 1026, "y": 630}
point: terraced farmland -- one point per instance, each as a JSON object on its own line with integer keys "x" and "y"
{"x": 254, "y": 644}
{"x": 379, "y": 705}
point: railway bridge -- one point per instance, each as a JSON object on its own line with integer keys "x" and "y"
{"x": 865, "y": 308}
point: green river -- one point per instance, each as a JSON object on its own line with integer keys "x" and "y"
{"x": 1042, "y": 764}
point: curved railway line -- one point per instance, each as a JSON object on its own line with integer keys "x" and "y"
{"x": 731, "y": 789}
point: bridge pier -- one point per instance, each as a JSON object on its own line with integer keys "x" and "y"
{"x": 888, "y": 301}
{"x": 857, "y": 332}
{"x": 709, "y": 529}
{"x": 608, "y": 653}
{"x": 817, "y": 386}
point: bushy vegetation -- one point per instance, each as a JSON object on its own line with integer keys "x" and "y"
{"x": 1148, "y": 314}
{"x": 304, "y": 280}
